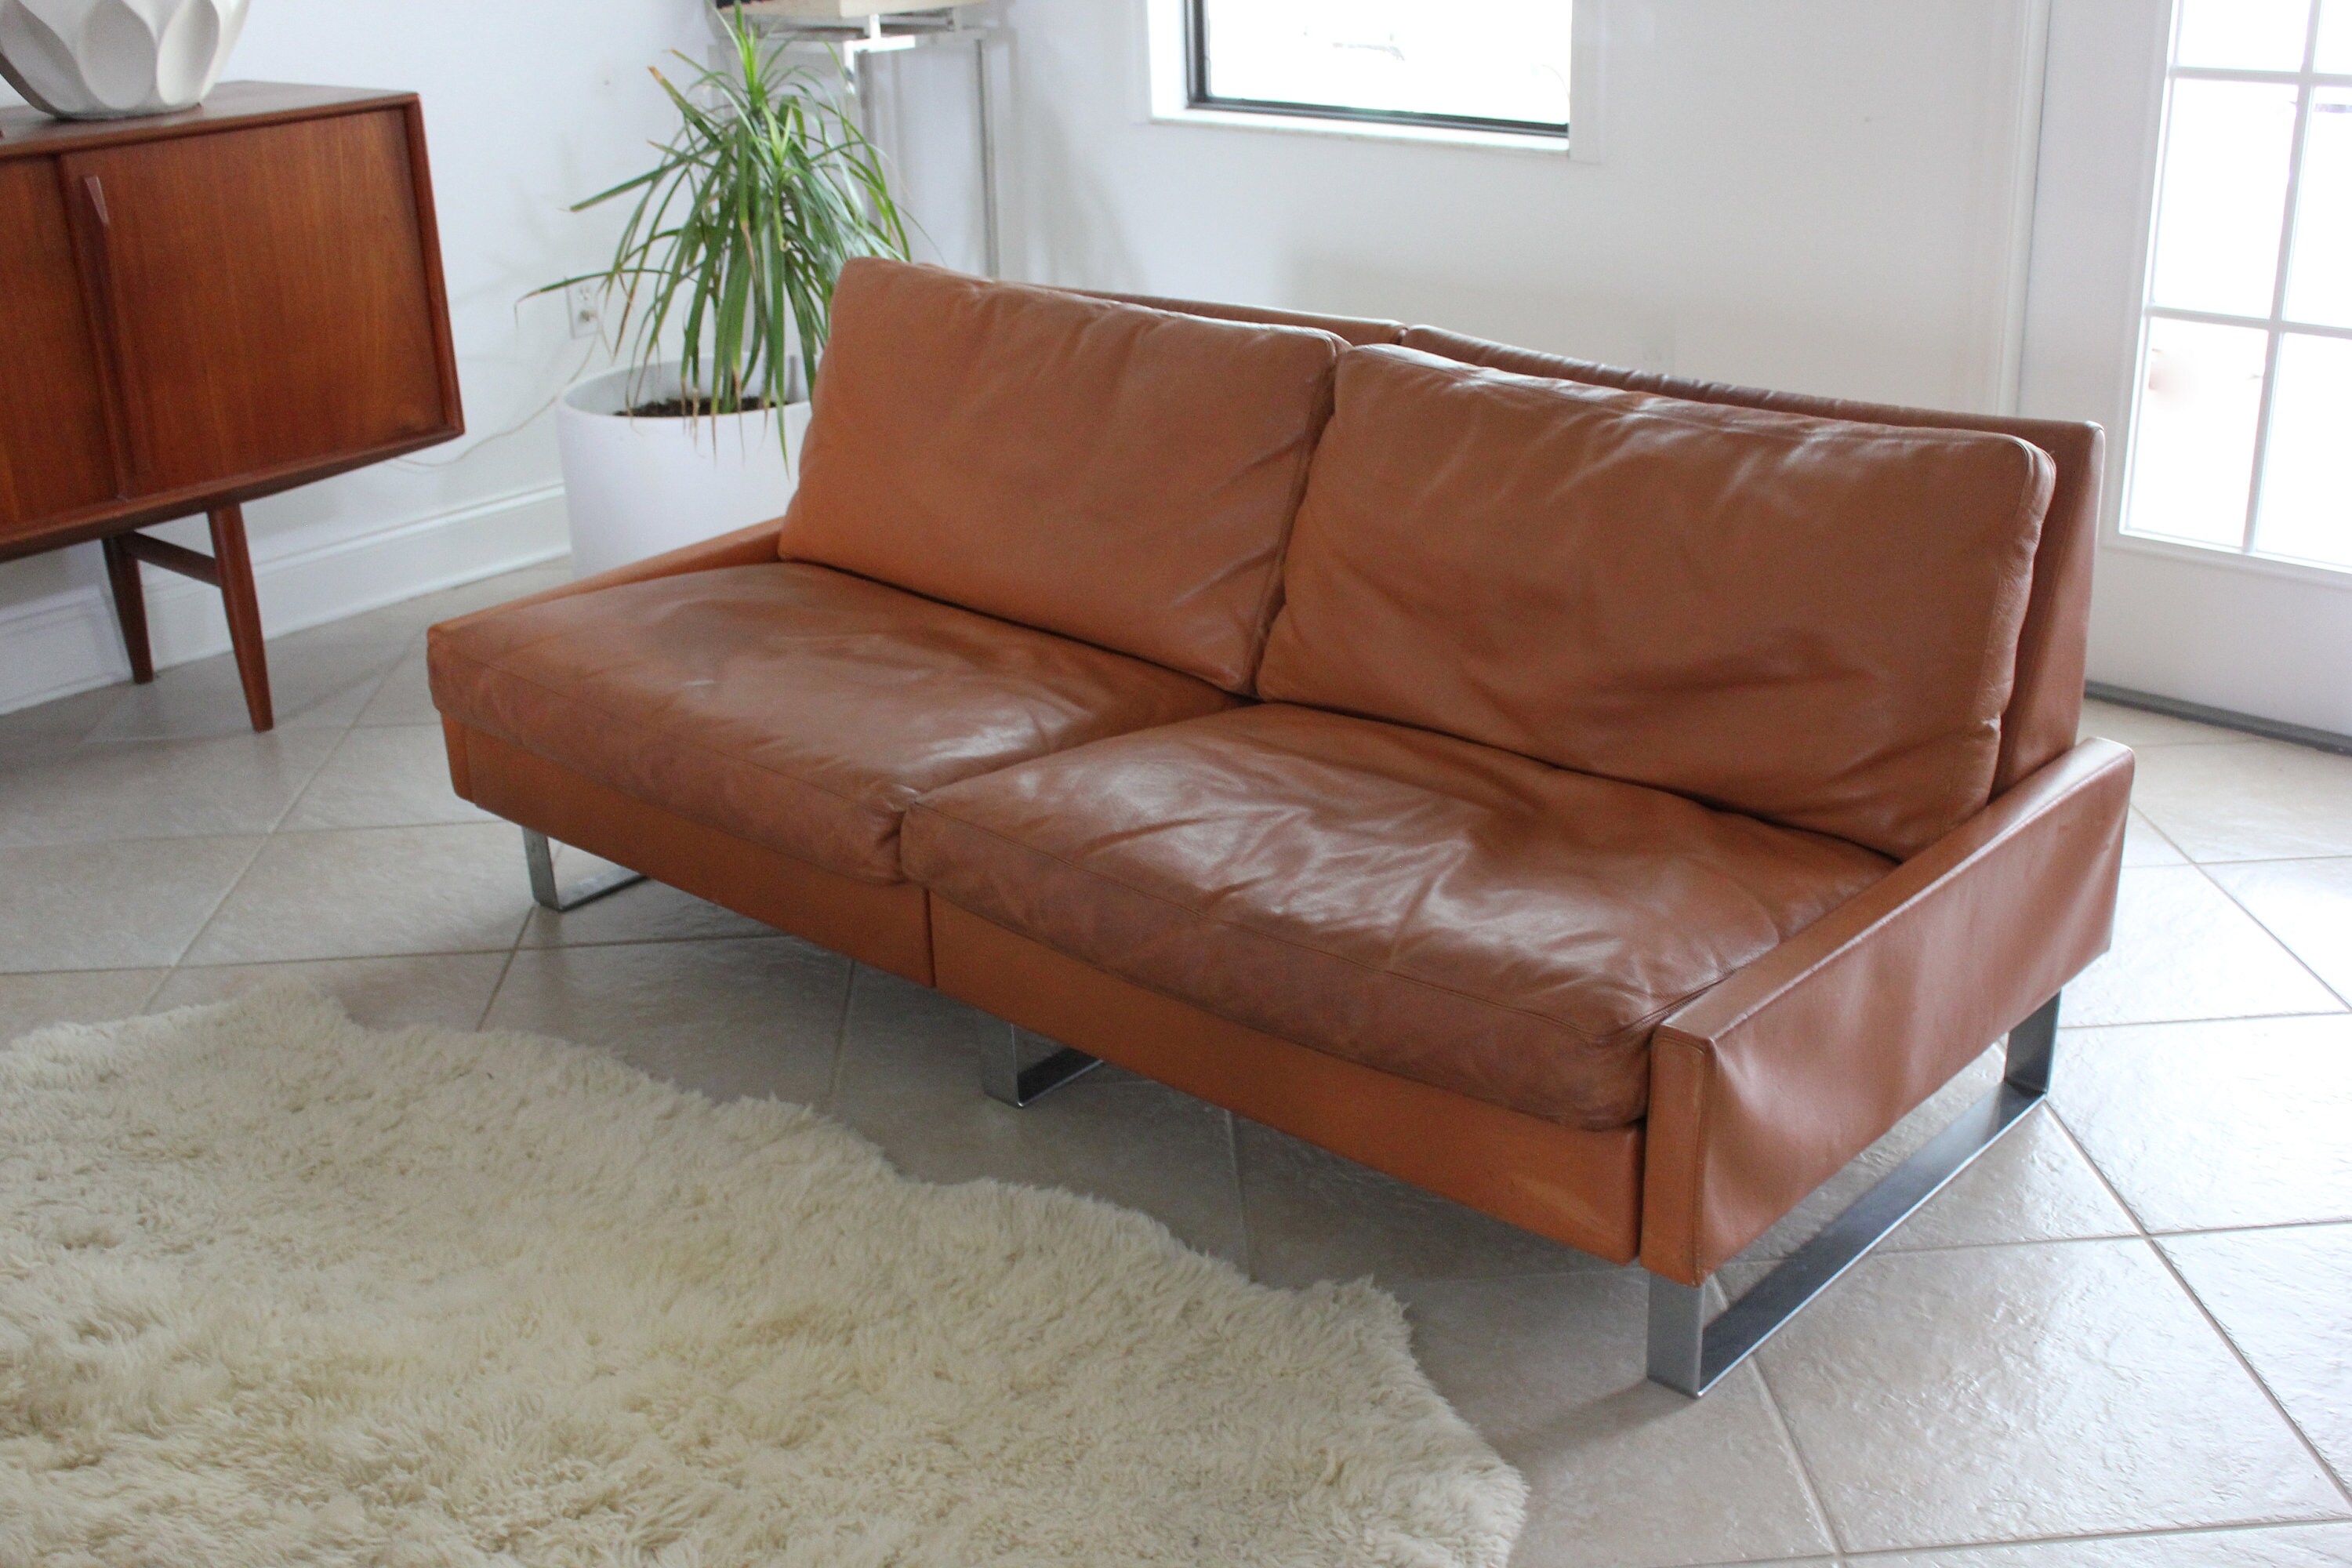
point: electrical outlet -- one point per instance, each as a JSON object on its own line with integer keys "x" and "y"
{"x": 587, "y": 310}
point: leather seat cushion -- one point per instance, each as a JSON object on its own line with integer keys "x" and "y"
{"x": 1813, "y": 621}
{"x": 794, "y": 706}
{"x": 1114, "y": 473}
{"x": 1437, "y": 909}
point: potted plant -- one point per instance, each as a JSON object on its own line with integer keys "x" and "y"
{"x": 722, "y": 276}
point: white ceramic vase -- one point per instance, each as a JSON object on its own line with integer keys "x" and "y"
{"x": 635, "y": 485}
{"x": 106, "y": 59}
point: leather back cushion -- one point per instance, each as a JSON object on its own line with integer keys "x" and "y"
{"x": 1113, "y": 473}
{"x": 2045, "y": 705}
{"x": 1811, "y": 621}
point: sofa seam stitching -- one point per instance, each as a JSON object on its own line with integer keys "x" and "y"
{"x": 689, "y": 816}
{"x": 1581, "y": 1034}
{"x": 1278, "y": 572}
{"x": 1699, "y": 1165}
{"x": 1898, "y": 913}
{"x": 1226, "y": 1016}
{"x": 668, "y": 735}
{"x": 901, "y": 881}
{"x": 2039, "y": 460}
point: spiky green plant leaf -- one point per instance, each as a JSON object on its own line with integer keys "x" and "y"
{"x": 740, "y": 228}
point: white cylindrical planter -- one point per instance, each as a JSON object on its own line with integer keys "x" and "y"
{"x": 637, "y": 486}
{"x": 106, "y": 59}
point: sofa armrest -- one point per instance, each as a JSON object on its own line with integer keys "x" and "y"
{"x": 1766, "y": 1086}
{"x": 750, "y": 546}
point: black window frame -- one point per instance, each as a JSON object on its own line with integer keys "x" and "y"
{"x": 1198, "y": 96}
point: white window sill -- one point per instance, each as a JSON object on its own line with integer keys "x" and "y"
{"x": 2327, "y": 575}
{"x": 1367, "y": 130}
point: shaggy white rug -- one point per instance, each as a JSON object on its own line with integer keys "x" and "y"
{"x": 274, "y": 1289}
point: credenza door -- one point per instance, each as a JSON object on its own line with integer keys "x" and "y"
{"x": 263, "y": 293}
{"x": 54, "y": 453}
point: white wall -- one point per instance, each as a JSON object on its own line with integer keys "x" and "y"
{"x": 529, "y": 105}
{"x": 1814, "y": 195}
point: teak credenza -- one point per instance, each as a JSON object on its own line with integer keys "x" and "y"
{"x": 201, "y": 307}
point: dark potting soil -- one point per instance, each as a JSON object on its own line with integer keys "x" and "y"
{"x": 678, "y": 408}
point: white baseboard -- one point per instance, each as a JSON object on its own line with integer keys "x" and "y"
{"x": 55, "y": 647}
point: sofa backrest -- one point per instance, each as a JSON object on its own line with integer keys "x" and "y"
{"x": 2045, "y": 704}
{"x": 1813, "y": 621}
{"x": 1362, "y": 331}
{"x": 1113, "y": 473}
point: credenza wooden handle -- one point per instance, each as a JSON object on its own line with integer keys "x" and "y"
{"x": 99, "y": 258}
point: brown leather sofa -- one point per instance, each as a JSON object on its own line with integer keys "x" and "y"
{"x": 1610, "y": 801}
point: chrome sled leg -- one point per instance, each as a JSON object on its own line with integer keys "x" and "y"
{"x": 1002, "y": 1078}
{"x": 541, "y": 859}
{"x": 1690, "y": 1354}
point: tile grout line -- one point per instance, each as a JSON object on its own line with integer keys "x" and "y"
{"x": 2260, "y": 1382}
{"x": 2205, "y": 875}
{"x": 2067, "y": 1029}
{"x": 840, "y": 1038}
{"x": 129, "y": 685}
{"x": 77, "y": 750}
{"x": 147, "y": 1003}
{"x": 2200, "y": 862}
{"x": 2139, "y": 1225}
{"x": 1889, "y": 1249}
{"x": 1805, "y": 1479}
{"x": 260, "y": 842}
{"x": 322, "y": 958}
{"x": 94, "y": 740}
{"x": 309, "y": 783}
{"x": 2241, "y": 905}
{"x": 2266, "y": 1227}
{"x": 2213, "y": 1018}
{"x": 284, "y": 832}
{"x": 2171, "y": 1269}
{"x": 482, "y": 1019}
{"x": 517, "y": 948}
{"x": 514, "y": 949}
{"x": 88, "y": 737}
{"x": 391, "y": 667}
{"x": 2234, "y": 1527}
{"x": 2154, "y": 826}
{"x": 771, "y": 933}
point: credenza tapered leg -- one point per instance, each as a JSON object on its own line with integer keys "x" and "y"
{"x": 236, "y": 567}
{"x": 130, "y": 608}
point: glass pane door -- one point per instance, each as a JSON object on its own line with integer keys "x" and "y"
{"x": 2242, "y": 435}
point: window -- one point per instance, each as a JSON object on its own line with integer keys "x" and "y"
{"x": 2241, "y": 438}
{"x": 1471, "y": 65}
